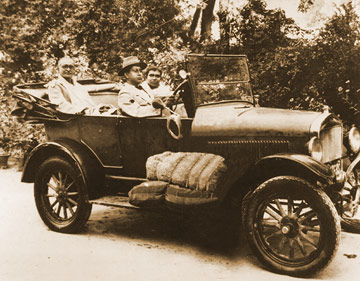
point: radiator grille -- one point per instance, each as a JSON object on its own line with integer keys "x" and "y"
{"x": 331, "y": 141}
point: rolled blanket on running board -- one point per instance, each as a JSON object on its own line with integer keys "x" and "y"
{"x": 194, "y": 179}
{"x": 148, "y": 194}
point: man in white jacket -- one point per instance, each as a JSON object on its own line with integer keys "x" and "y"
{"x": 66, "y": 93}
{"x": 133, "y": 100}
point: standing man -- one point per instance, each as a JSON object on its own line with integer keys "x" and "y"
{"x": 153, "y": 84}
{"x": 133, "y": 100}
{"x": 66, "y": 93}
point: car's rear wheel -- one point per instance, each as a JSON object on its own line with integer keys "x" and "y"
{"x": 292, "y": 227}
{"x": 350, "y": 213}
{"x": 60, "y": 196}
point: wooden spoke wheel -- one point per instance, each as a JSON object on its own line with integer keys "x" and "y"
{"x": 292, "y": 227}
{"x": 60, "y": 196}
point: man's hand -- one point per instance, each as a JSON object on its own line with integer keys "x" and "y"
{"x": 170, "y": 101}
{"x": 83, "y": 111}
{"x": 104, "y": 108}
{"x": 158, "y": 103}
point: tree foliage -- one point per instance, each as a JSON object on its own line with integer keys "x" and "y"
{"x": 336, "y": 63}
{"x": 288, "y": 69}
{"x": 33, "y": 31}
{"x": 117, "y": 28}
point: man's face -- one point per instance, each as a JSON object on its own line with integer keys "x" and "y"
{"x": 134, "y": 76}
{"x": 67, "y": 69}
{"x": 153, "y": 78}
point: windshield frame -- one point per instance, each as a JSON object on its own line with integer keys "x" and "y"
{"x": 194, "y": 86}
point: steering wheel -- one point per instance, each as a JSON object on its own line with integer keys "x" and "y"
{"x": 178, "y": 92}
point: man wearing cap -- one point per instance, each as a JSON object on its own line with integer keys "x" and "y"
{"x": 133, "y": 100}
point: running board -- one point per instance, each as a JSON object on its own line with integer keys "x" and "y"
{"x": 114, "y": 201}
{"x": 114, "y": 177}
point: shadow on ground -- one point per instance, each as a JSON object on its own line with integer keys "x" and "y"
{"x": 211, "y": 235}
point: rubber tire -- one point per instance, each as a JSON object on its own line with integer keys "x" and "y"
{"x": 325, "y": 211}
{"x": 83, "y": 211}
{"x": 351, "y": 225}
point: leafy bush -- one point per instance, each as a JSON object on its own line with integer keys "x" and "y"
{"x": 288, "y": 69}
{"x": 15, "y": 136}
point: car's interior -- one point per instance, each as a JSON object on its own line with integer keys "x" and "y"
{"x": 34, "y": 97}
{"x": 104, "y": 92}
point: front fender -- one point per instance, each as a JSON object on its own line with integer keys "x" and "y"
{"x": 78, "y": 154}
{"x": 299, "y": 165}
{"x": 282, "y": 164}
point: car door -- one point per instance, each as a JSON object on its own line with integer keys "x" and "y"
{"x": 100, "y": 135}
{"x": 143, "y": 137}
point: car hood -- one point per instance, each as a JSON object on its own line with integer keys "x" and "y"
{"x": 234, "y": 119}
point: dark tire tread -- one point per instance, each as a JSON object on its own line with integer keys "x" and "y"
{"x": 333, "y": 224}
{"x": 84, "y": 208}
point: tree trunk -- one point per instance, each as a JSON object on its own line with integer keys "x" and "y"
{"x": 194, "y": 21}
{"x": 224, "y": 26}
{"x": 207, "y": 19}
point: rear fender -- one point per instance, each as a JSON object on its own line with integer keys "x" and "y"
{"x": 79, "y": 155}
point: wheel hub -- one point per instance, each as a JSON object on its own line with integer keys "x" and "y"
{"x": 61, "y": 195}
{"x": 285, "y": 229}
{"x": 289, "y": 227}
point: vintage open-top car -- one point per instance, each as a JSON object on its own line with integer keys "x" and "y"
{"x": 280, "y": 168}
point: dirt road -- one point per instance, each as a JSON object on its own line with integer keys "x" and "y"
{"x": 121, "y": 245}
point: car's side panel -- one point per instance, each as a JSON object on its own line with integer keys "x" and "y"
{"x": 101, "y": 135}
{"x": 59, "y": 129}
{"x": 122, "y": 142}
{"x": 241, "y": 152}
{"x": 141, "y": 138}
{"x": 98, "y": 133}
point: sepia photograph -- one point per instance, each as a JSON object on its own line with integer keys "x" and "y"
{"x": 179, "y": 140}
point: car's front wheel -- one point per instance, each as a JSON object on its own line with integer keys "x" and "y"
{"x": 60, "y": 196}
{"x": 292, "y": 227}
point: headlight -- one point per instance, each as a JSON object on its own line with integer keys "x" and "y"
{"x": 315, "y": 148}
{"x": 354, "y": 139}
